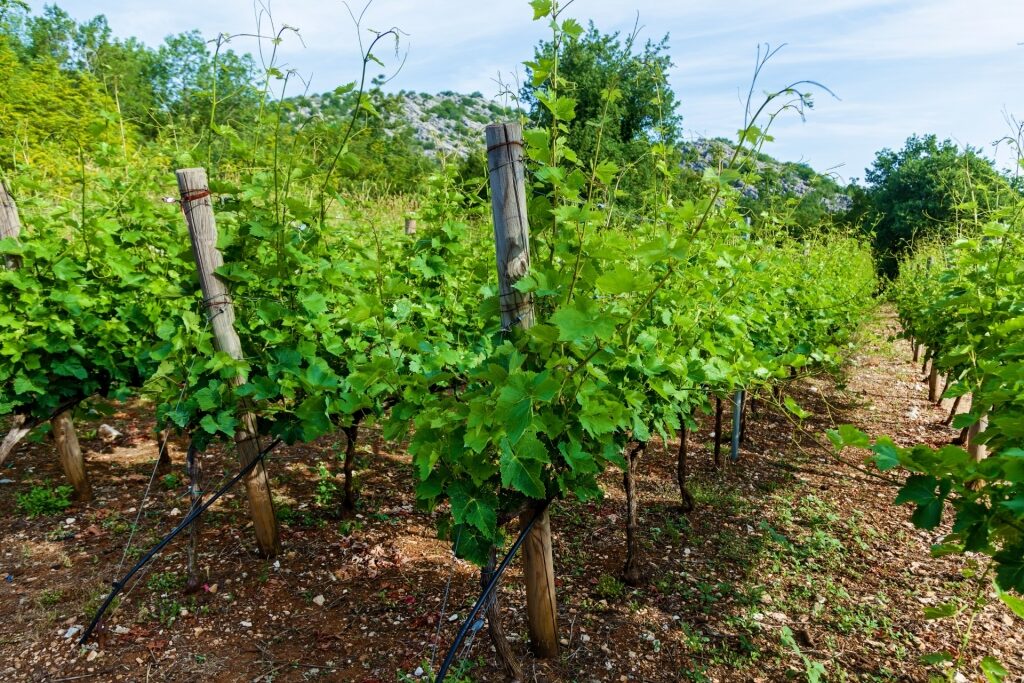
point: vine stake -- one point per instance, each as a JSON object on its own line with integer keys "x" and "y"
{"x": 202, "y": 230}
{"x": 512, "y": 246}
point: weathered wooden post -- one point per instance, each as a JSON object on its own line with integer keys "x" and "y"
{"x": 410, "y": 226}
{"x": 512, "y": 247}
{"x": 64, "y": 436}
{"x": 977, "y": 451}
{"x": 10, "y": 224}
{"x": 70, "y": 452}
{"x": 202, "y": 229}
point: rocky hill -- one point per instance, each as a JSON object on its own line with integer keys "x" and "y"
{"x": 450, "y": 124}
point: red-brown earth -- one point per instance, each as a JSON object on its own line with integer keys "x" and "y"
{"x": 788, "y": 540}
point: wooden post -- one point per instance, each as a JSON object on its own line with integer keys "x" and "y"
{"x": 68, "y": 448}
{"x": 539, "y": 574}
{"x": 933, "y": 381}
{"x": 512, "y": 247}
{"x": 976, "y": 450}
{"x": 10, "y": 224}
{"x": 410, "y": 226}
{"x": 511, "y": 229}
{"x": 71, "y": 455}
{"x": 195, "y": 203}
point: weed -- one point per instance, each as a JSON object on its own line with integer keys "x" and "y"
{"x": 609, "y": 587}
{"x": 50, "y": 597}
{"x": 43, "y": 500}
{"x": 815, "y": 671}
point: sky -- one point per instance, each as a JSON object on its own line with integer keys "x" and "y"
{"x": 896, "y": 67}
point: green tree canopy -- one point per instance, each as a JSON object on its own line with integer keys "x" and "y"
{"x": 589, "y": 65}
{"x": 927, "y": 188}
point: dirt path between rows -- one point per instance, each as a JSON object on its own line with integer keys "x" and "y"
{"x": 792, "y": 565}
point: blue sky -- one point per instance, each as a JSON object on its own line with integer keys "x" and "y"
{"x": 949, "y": 67}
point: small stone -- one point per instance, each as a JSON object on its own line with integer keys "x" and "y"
{"x": 93, "y": 654}
{"x": 69, "y": 521}
{"x": 121, "y": 630}
{"x": 319, "y": 601}
{"x": 108, "y": 432}
{"x": 418, "y": 672}
{"x": 563, "y": 641}
{"x": 454, "y": 617}
{"x": 70, "y": 633}
{"x": 246, "y": 624}
{"x": 585, "y": 638}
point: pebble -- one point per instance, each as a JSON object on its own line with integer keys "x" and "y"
{"x": 585, "y": 638}
{"x": 246, "y": 624}
{"x": 418, "y": 672}
{"x": 70, "y": 633}
{"x": 319, "y": 601}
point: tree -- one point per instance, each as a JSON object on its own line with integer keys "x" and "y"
{"x": 589, "y": 65}
{"x": 927, "y": 188}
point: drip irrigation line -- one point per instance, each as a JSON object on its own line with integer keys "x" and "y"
{"x": 192, "y": 516}
{"x": 444, "y": 601}
{"x": 156, "y": 466}
{"x": 482, "y": 600}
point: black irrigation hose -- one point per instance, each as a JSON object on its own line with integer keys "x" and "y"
{"x": 184, "y": 524}
{"x": 450, "y": 657}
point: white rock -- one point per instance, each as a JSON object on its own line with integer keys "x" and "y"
{"x": 108, "y": 432}
{"x": 245, "y": 624}
{"x": 418, "y": 672}
{"x": 319, "y": 601}
{"x": 70, "y": 633}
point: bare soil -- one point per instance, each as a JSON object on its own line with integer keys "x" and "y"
{"x": 792, "y": 561}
